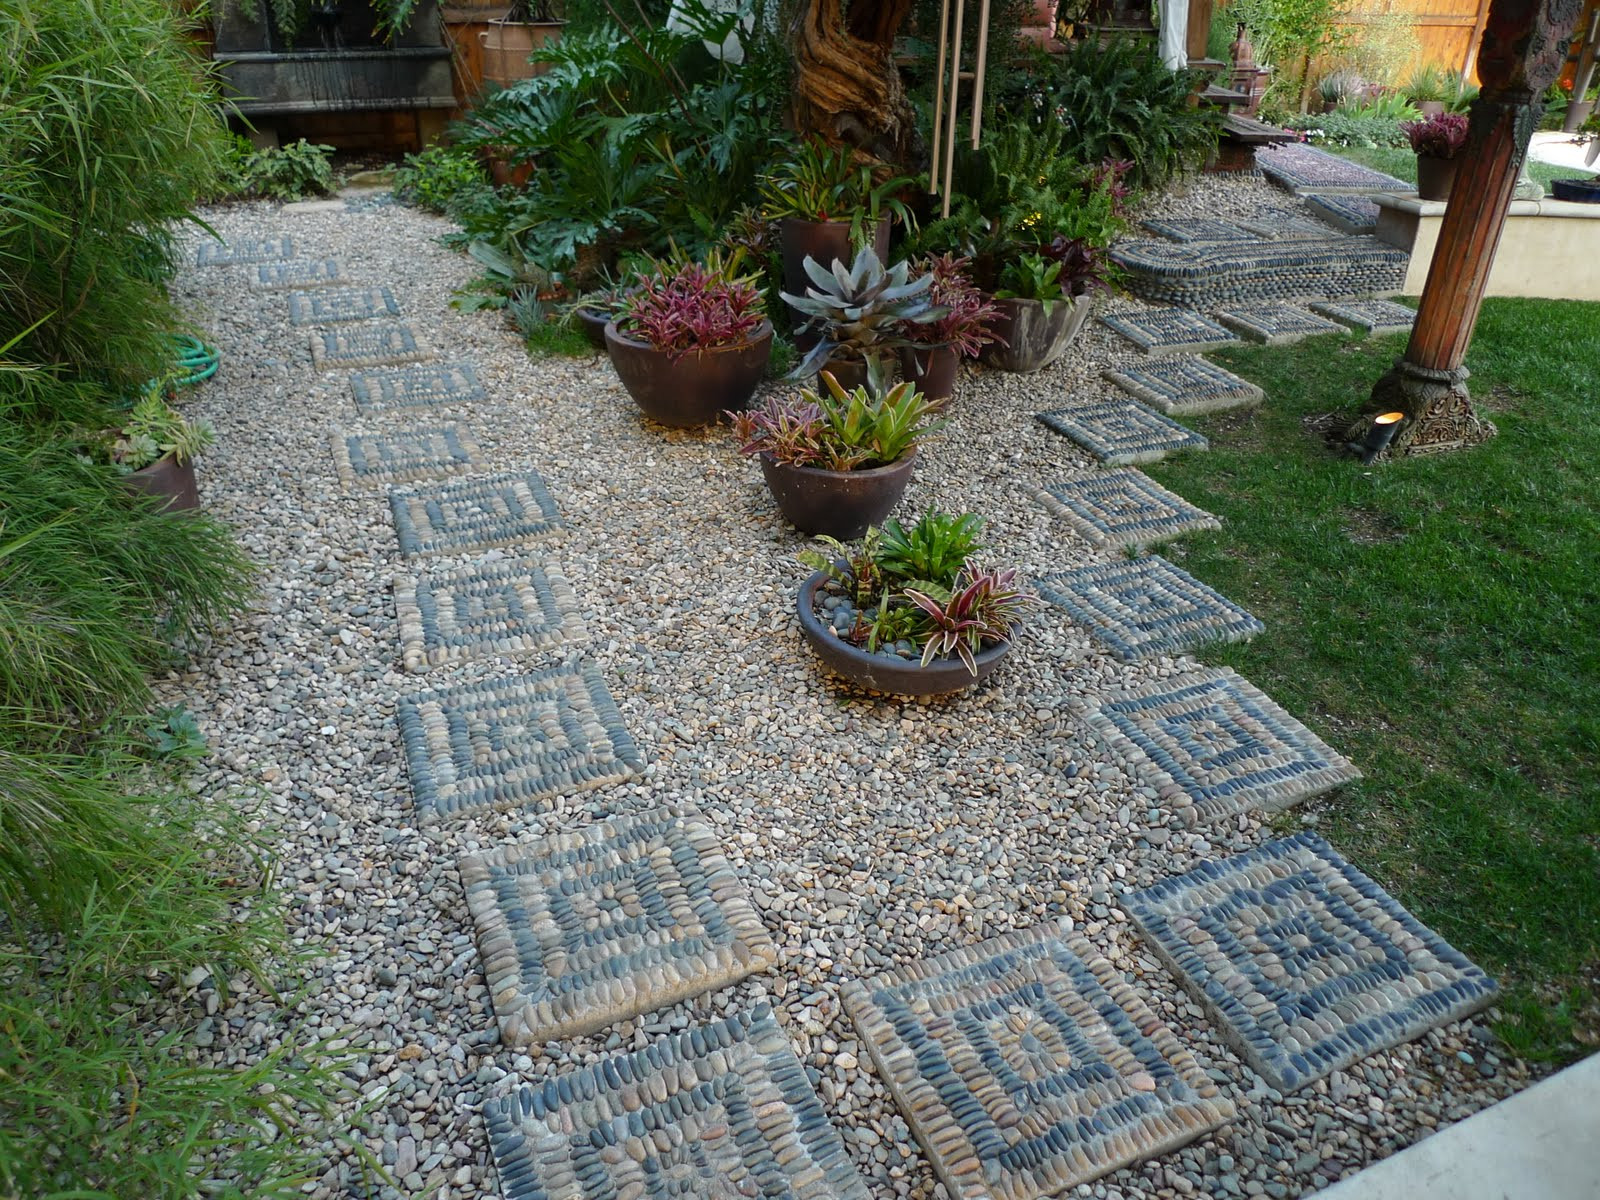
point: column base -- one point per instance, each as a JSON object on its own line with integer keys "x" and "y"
{"x": 1439, "y": 412}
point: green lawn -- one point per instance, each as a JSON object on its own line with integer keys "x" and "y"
{"x": 1402, "y": 164}
{"x": 1438, "y": 620}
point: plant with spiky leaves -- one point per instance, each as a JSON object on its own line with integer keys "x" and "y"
{"x": 689, "y": 308}
{"x": 860, "y": 310}
{"x": 983, "y": 607}
{"x": 969, "y": 313}
{"x": 835, "y": 429}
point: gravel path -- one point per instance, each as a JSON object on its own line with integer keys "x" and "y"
{"x": 870, "y": 831}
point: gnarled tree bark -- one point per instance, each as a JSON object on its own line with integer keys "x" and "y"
{"x": 847, "y": 89}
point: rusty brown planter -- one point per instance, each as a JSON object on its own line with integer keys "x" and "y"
{"x": 695, "y": 389}
{"x": 1031, "y": 338}
{"x": 1435, "y": 176}
{"x": 932, "y": 370}
{"x": 840, "y": 504}
{"x": 167, "y": 478}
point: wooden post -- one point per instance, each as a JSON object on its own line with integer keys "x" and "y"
{"x": 1524, "y": 46}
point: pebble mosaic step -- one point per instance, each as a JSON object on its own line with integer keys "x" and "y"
{"x": 334, "y": 306}
{"x": 1118, "y": 431}
{"x": 1369, "y": 316}
{"x": 1185, "y": 385}
{"x": 1274, "y": 323}
{"x": 1206, "y": 275}
{"x": 314, "y": 272}
{"x": 1125, "y": 508}
{"x": 1353, "y": 214}
{"x": 1304, "y": 963}
{"x": 1027, "y": 1065}
{"x": 364, "y": 459}
{"x": 1297, "y": 167}
{"x": 486, "y": 609}
{"x": 374, "y": 345}
{"x": 513, "y": 742}
{"x": 1198, "y": 229}
{"x": 629, "y": 916}
{"x": 416, "y": 387}
{"x": 473, "y": 513}
{"x": 1286, "y": 226}
{"x": 244, "y": 251}
{"x": 1215, "y": 746}
{"x": 1168, "y": 330}
{"x": 1143, "y": 606}
{"x": 724, "y": 1111}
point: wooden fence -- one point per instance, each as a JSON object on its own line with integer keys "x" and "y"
{"x": 1445, "y": 33}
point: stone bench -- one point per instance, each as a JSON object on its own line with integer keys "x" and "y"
{"x": 1203, "y": 275}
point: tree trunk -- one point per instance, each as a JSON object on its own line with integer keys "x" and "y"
{"x": 847, "y": 89}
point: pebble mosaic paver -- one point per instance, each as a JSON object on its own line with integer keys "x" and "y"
{"x": 1287, "y": 226}
{"x": 1143, "y": 606}
{"x": 371, "y": 458}
{"x": 244, "y": 251}
{"x": 1275, "y": 324}
{"x": 1199, "y": 229}
{"x": 1118, "y": 431}
{"x": 1304, "y": 963}
{"x": 721, "y": 1112}
{"x": 1214, "y": 745}
{"x": 334, "y": 306}
{"x": 488, "y": 608}
{"x": 1169, "y": 330}
{"x": 416, "y": 387}
{"x": 1124, "y": 507}
{"x": 1369, "y": 316}
{"x": 473, "y": 513}
{"x": 626, "y": 917}
{"x": 1027, "y": 1065}
{"x": 1353, "y": 214}
{"x": 373, "y": 345}
{"x": 315, "y": 272}
{"x": 513, "y": 742}
{"x": 1207, "y": 275}
{"x": 1300, "y": 168}
{"x": 1185, "y": 385}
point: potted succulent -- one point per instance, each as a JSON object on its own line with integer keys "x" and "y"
{"x": 936, "y": 348}
{"x": 691, "y": 341}
{"x": 1436, "y": 140}
{"x": 859, "y": 314}
{"x": 509, "y": 42}
{"x": 154, "y": 449}
{"x": 1044, "y": 298}
{"x": 910, "y": 611}
{"x": 837, "y": 460}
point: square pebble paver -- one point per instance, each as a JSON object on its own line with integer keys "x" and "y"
{"x": 1169, "y": 330}
{"x": 371, "y": 458}
{"x": 722, "y": 1111}
{"x": 1353, "y": 214}
{"x": 1198, "y": 229}
{"x": 472, "y": 514}
{"x": 416, "y": 387}
{"x": 1297, "y": 167}
{"x": 315, "y": 272}
{"x": 1118, "y": 431}
{"x": 372, "y": 345}
{"x": 1304, "y": 963}
{"x": 510, "y": 743}
{"x": 1027, "y": 1065}
{"x": 629, "y": 916}
{"x": 244, "y": 251}
{"x": 1185, "y": 385}
{"x": 334, "y": 306}
{"x": 1275, "y": 324}
{"x": 1143, "y": 606}
{"x": 489, "y": 608}
{"x": 1369, "y": 316}
{"x": 1124, "y": 507}
{"x": 1214, "y": 746}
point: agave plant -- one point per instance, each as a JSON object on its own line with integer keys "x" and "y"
{"x": 859, "y": 310}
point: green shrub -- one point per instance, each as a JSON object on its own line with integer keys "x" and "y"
{"x": 289, "y": 172}
{"x": 1347, "y": 129}
{"x": 442, "y": 179}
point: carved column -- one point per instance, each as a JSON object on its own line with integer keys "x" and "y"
{"x": 1524, "y": 45}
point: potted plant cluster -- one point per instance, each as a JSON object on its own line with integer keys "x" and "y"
{"x": 837, "y": 460}
{"x": 859, "y": 314}
{"x": 912, "y": 612}
{"x": 936, "y": 347}
{"x": 691, "y": 341}
{"x": 154, "y": 449}
{"x": 1437, "y": 140}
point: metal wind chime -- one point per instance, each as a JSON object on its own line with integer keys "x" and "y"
{"x": 945, "y": 122}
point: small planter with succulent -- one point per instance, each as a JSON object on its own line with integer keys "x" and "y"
{"x": 912, "y": 612}
{"x": 1437, "y": 141}
{"x": 691, "y": 341}
{"x": 859, "y": 314}
{"x": 154, "y": 449}
{"x": 936, "y": 347}
{"x": 1044, "y": 298}
{"x": 837, "y": 460}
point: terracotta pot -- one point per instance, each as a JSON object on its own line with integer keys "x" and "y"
{"x": 932, "y": 369}
{"x": 1435, "y": 176}
{"x": 696, "y": 388}
{"x": 1032, "y": 338}
{"x": 506, "y": 171}
{"x": 849, "y": 373}
{"x": 1329, "y": 106}
{"x": 1431, "y": 108}
{"x": 169, "y": 478}
{"x": 1578, "y": 111}
{"x": 507, "y": 44}
{"x": 592, "y": 324}
{"x": 898, "y": 676}
{"x": 840, "y": 504}
{"x": 823, "y": 241}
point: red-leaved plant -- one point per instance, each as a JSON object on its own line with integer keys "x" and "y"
{"x": 965, "y": 326}
{"x": 1440, "y": 136}
{"x": 984, "y": 606}
{"x": 682, "y": 309}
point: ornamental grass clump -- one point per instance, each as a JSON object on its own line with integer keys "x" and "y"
{"x": 1440, "y": 136}
{"x": 838, "y": 430}
{"x": 684, "y": 309}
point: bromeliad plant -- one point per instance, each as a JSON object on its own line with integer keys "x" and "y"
{"x": 818, "y": 182}
{"x": 838, "y": 430}
{"x": 680, "y": 309}
{"x": 860, "y": 311}
{"x": 967, "y": 312}
{"x": 1440, "y": 136}
{"x": 1064, "y": 270}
